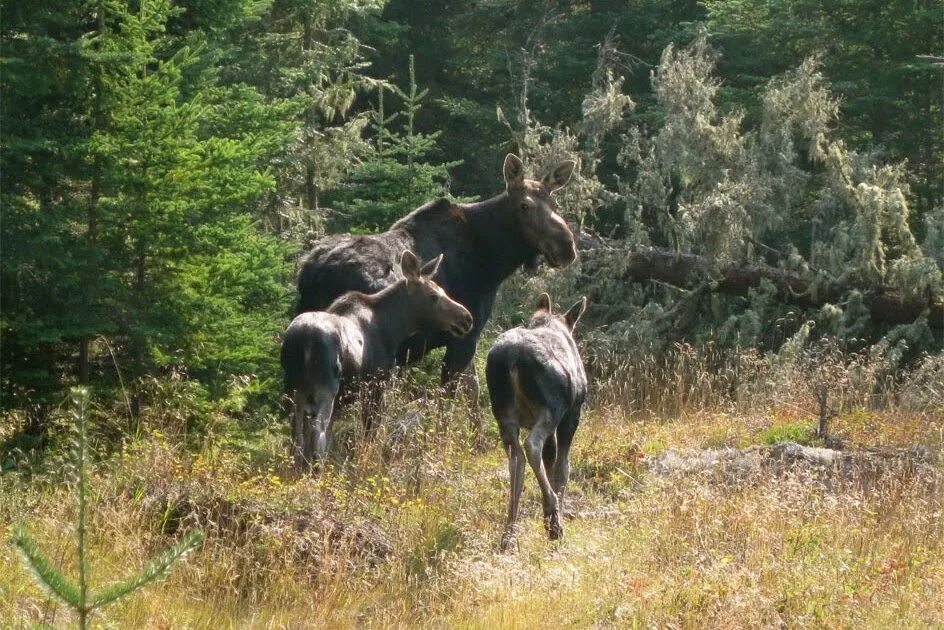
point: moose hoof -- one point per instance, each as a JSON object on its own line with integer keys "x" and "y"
{"x": 554, "y": 525}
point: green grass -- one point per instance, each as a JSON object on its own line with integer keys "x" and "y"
{"x": 801, "y": 433}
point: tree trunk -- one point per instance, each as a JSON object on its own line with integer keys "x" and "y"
{"x": 84, "y": 360}
{"x": 311, "y": 189}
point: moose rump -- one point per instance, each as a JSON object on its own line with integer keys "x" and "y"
{"x": 311, "y": 360}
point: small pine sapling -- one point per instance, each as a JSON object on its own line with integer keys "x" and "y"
{"x": 76, "y": 594}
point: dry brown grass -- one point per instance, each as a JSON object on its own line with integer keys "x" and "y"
{"x": 404, "y": 532}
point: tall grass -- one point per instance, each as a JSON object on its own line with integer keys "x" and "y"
{"x": 78, "y": 593}
{"x": 403, "y": 531}
{"x": 684, "y": 379}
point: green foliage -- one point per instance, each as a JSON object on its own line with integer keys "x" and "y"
{"x": 872, "y": 55}
{"x": 542, "y": 147}
{"x": 800, "y": 433}
{"x": 143, "y": 233}
{"x": 782, "y": 191}
{"x": 164, "y": 162}
{"x": 45, "y": 571}
{"x": 156, "y": 569}
{"x": 305, "y": 56}
{"x": 395, "y": 177}
{"x": 75, "y": 593}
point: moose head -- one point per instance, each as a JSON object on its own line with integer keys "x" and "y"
{"x": 436, "y": 309}
{"x": 536, "y": 211}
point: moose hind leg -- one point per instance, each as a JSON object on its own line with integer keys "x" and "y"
{"x": 321, "y": 425}
{"x": 544, "y": 426}
{"x": 561, "y": 470}
{"x": 318, "y": 404}
{"x": 308, "y": 421}
{"x": 516, "y": 458}
{"x": 549, "y": 454}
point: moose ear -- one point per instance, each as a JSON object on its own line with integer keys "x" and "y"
{"x": 559, "y": 176}
{"x": 429, "y": 269}
{"x": 409, "y": 265}
{"x": 513, "y": 170}
{"x": 573, "y": 315}
{"x": 544, "y": 302}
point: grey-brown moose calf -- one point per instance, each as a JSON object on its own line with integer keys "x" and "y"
{"x": 536, "y": 381}
{"x": 356, "y": 339}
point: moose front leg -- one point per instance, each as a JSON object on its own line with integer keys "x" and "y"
{"x": 372, "y": 406}
{"x": 299, "y": 434}
{"x": 458, "y": 374}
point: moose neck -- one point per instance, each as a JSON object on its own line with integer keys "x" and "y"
{"x": 499, "y": 238}
{"x": 395, "y": 316}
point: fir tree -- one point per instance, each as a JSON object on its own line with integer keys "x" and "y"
{"x": 144, "y": 232}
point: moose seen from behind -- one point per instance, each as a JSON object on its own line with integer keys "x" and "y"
{"x": 483, "y": 243}
{"x": 357, "y": 339}
{"x": 536, "y": 381}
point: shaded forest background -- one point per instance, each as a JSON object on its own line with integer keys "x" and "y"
{"x": 165, "y": 164}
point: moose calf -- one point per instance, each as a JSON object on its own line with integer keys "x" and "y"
{"x": 356, "y": 339}
{"x": 536, "y": 381}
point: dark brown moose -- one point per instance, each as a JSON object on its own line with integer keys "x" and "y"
{"x": 357, "y": 339}
{"x": 483, "y": 242}
{"x": 536, "y": 381}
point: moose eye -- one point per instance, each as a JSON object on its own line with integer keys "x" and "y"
{"x": 524, "y": 206}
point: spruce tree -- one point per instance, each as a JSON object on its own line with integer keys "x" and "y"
{"x": 304, "y": 54}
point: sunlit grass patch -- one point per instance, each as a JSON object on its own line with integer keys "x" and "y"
{"x": 800, "y": 433}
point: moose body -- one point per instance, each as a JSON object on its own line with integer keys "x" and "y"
{"x": 536, "y": 381}
{"x": 357, "y": 339}
{"x": 483, "y": 243}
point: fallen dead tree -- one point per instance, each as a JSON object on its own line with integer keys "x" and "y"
{"x": 689, "y": 270}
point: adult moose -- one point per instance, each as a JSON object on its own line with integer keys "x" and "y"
{"x": 483, "y": 242}
{"x": 357, "y": 339}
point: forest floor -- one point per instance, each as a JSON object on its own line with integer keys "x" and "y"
{"x": 404, "y": 532}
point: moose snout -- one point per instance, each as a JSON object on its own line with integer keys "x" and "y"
{"x": 463, "y": 325}
{"x": 559, "y": 246}
{"x": 568, "y": 256}
{"x": 561, "y": 254}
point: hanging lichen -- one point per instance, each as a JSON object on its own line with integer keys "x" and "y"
{"x": 779, "y": 189}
